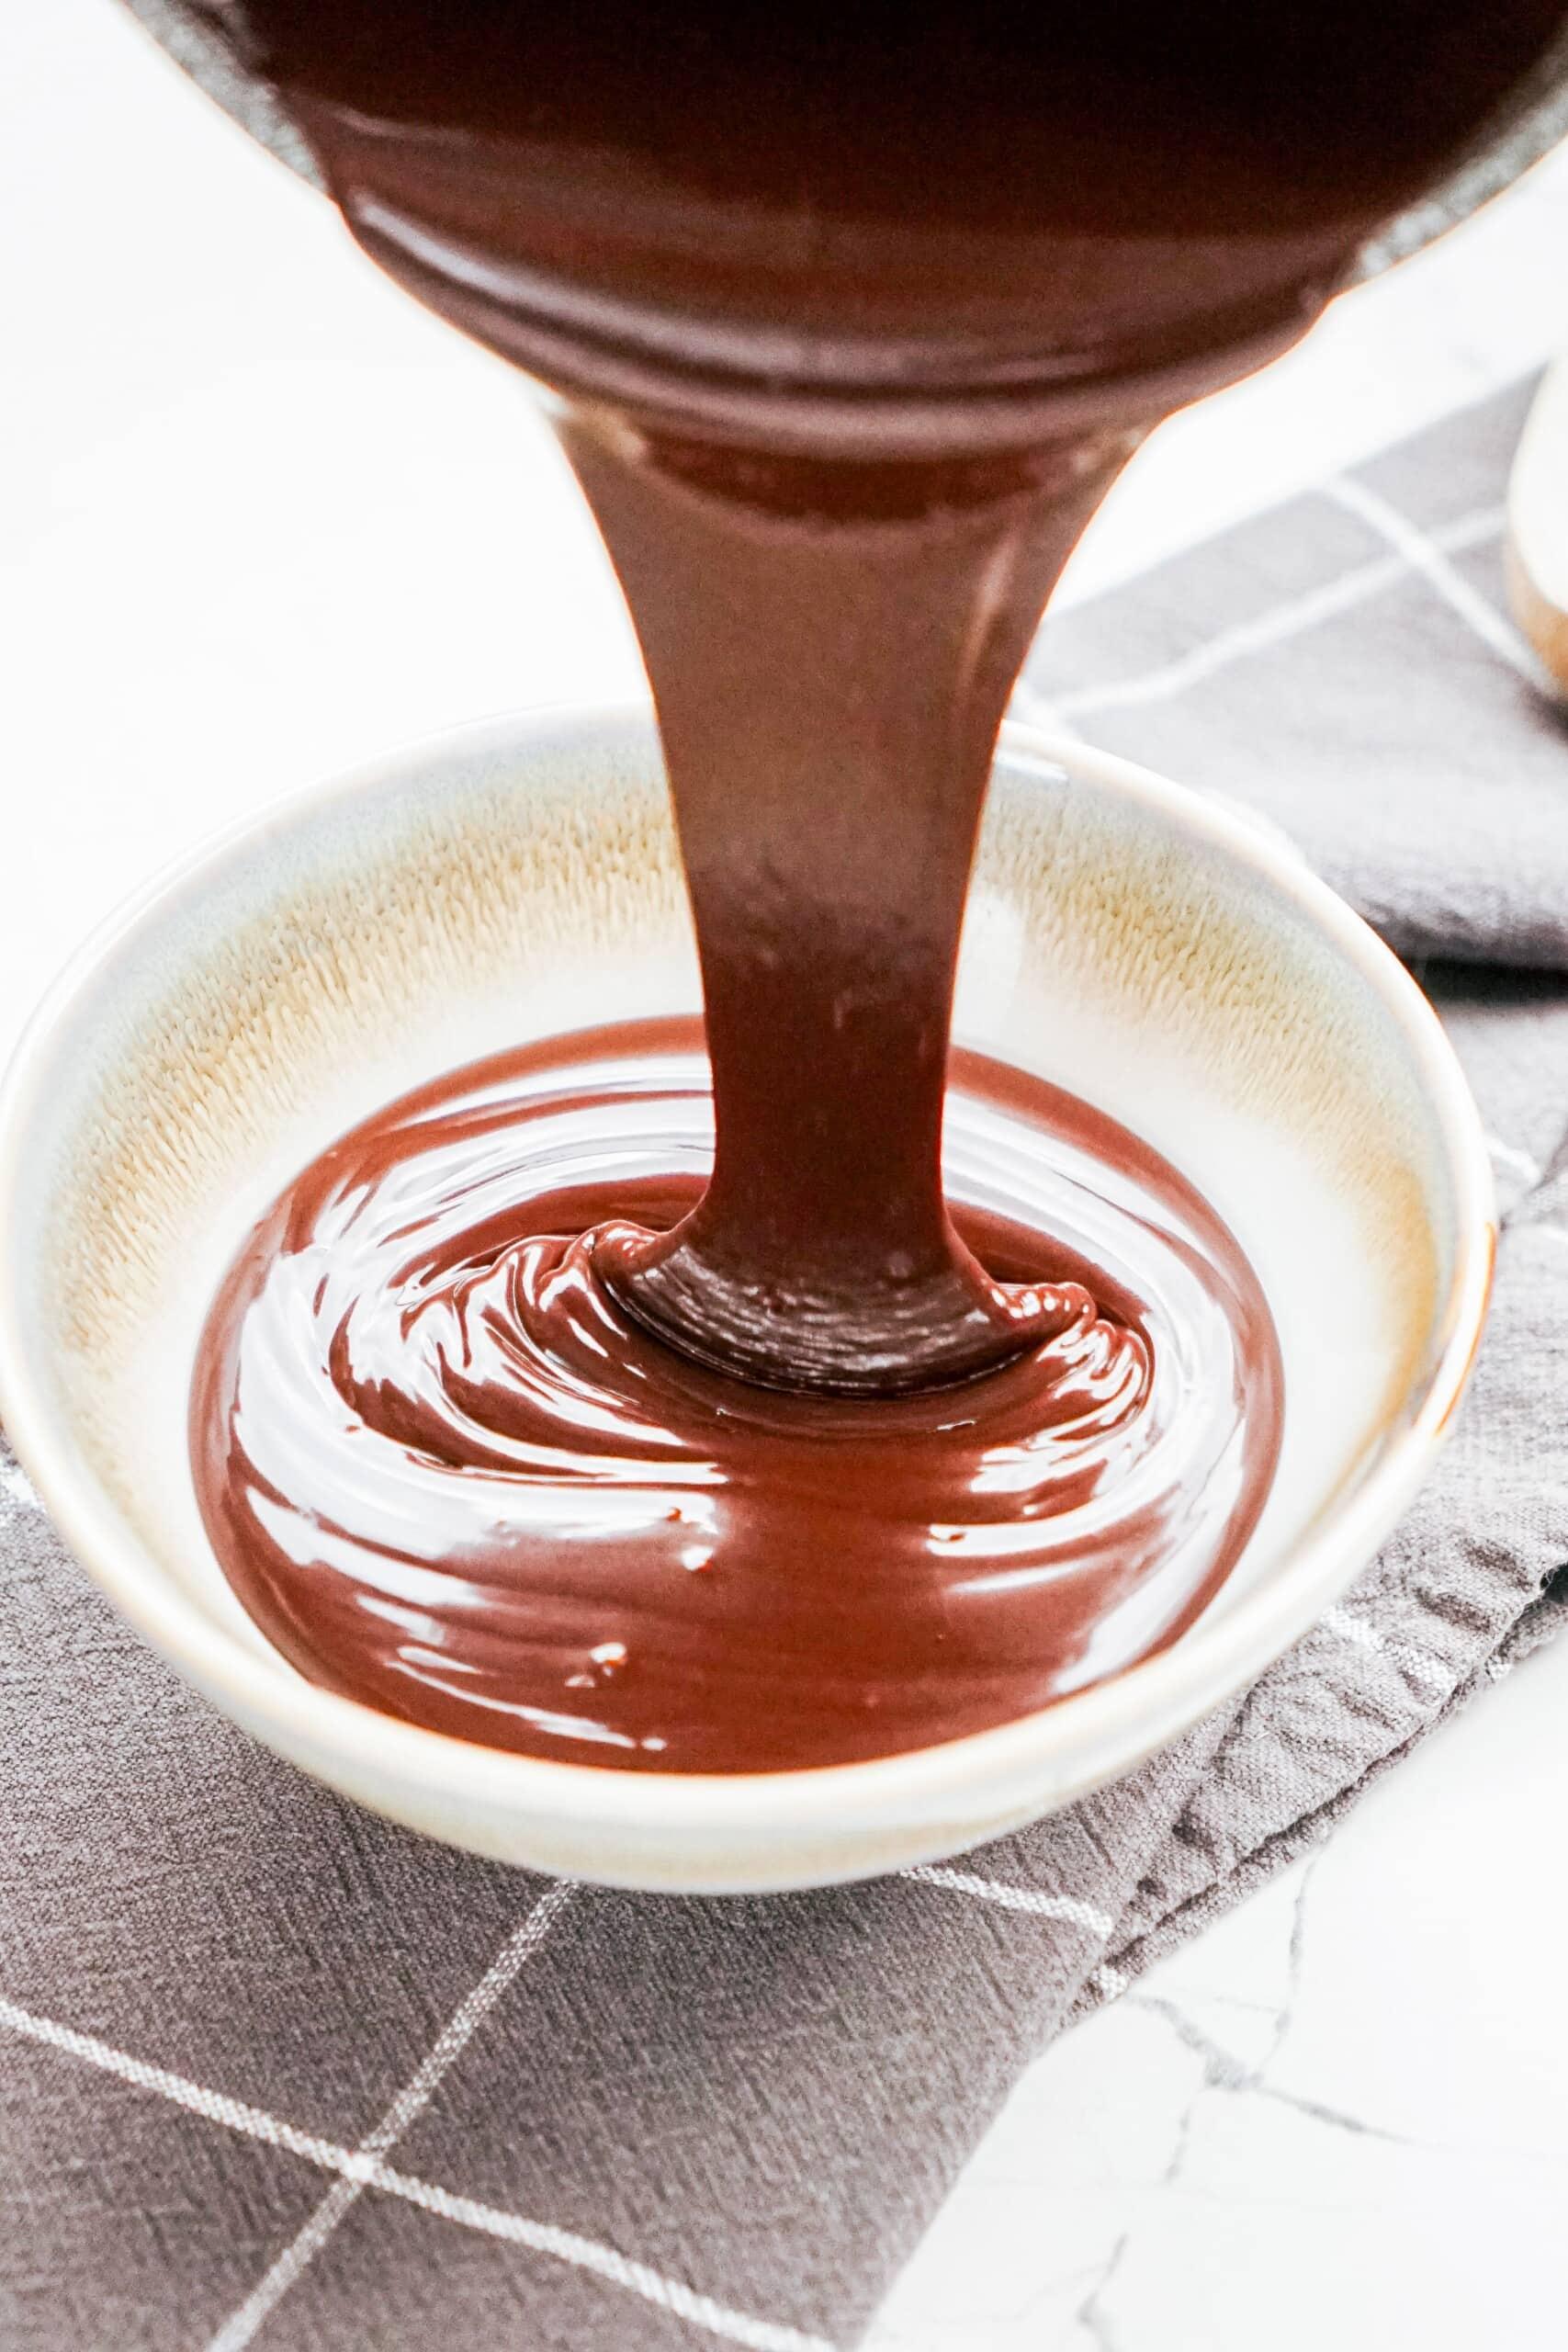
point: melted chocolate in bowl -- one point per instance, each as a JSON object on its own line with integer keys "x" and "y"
{"x": 452, "y": 1477}
{"x": 857, "y": 313}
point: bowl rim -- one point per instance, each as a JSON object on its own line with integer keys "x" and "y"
{"x": 1125, "y": 1716}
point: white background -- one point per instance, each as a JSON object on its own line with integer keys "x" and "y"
{"x": 260, "y": 517}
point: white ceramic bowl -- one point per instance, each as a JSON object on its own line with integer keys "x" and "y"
{"x": 1166, "y": 958}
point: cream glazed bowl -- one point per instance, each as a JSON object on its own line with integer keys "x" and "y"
{"x": 1165, "y": 957}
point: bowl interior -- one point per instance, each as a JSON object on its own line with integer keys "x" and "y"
{"x": 1123, "y": 940}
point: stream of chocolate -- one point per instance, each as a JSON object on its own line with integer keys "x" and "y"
{"x": 854, "y": 314}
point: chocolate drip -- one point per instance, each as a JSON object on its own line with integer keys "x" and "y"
{"x": 851, "y": 314}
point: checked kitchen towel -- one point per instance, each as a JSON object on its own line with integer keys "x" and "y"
{"x": 272, "y": 2071}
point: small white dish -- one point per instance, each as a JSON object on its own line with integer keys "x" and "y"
{"x": 1159, "y": 954}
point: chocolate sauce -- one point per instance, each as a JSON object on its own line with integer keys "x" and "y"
{"x": 883, "y": 225}
{"x": 449, "y": 1475}
{"x": 859, "y": 310}
{"x": 855, "y": 312}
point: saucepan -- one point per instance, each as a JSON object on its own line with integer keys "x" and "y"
{"x": 1533, "y": 118}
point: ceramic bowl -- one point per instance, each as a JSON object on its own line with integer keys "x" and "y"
{"x": 1166, "y": 958}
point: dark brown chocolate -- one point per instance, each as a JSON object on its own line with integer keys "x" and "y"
{"x": 448, "y": 1475}
{"x": 860, "y": 308}
{"x": 814, "y": 222}
{"x": 856, "y": 311}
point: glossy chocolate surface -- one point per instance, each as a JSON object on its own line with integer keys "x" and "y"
{"x": 448, "y": 1475}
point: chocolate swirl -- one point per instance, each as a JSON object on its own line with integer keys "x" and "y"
{"x": 450, "y": 1474}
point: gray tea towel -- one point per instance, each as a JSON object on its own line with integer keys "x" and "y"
{"x": 272, "y": 2071}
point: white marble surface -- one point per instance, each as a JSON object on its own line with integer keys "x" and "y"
{"x": 261, "y": 517}
{"x": 1339, "y": 2117}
